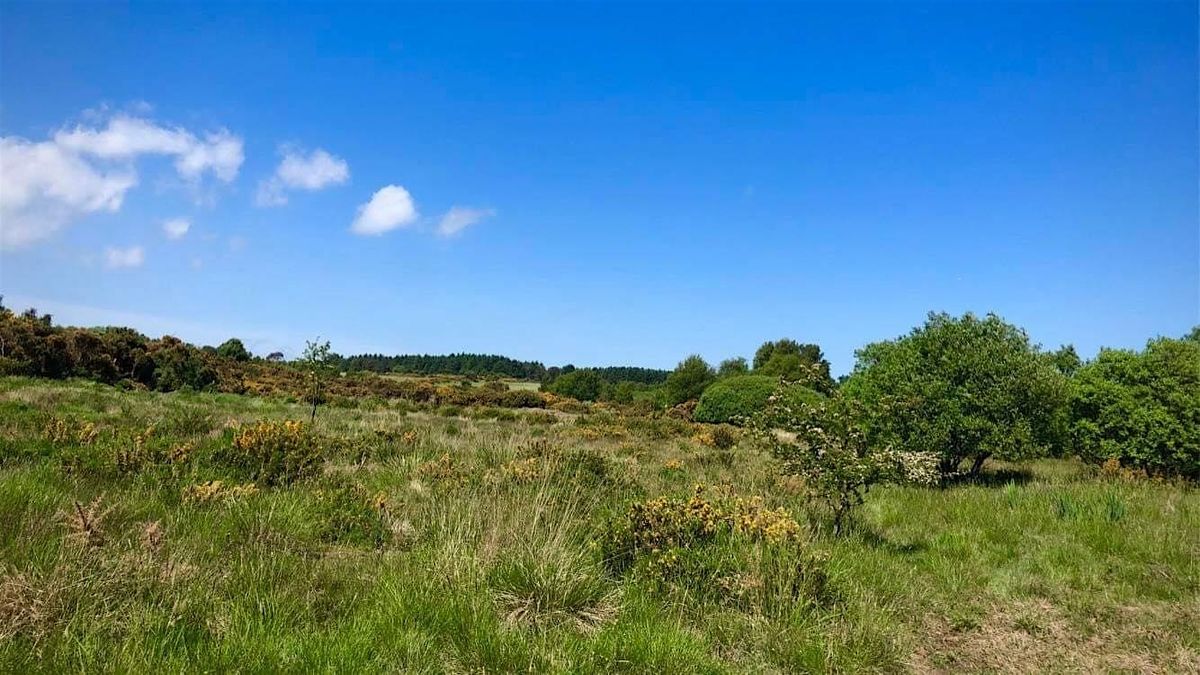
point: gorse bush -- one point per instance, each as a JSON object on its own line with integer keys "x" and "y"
{"x": 963, "y": 388}
{"x": 1140, "y": 409}
{"x": 273, "y": 453}
{"x": 730, "y": 550}
{"x": 664, "y": 523}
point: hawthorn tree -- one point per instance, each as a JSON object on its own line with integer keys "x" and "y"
{"x": 965, "y": 388}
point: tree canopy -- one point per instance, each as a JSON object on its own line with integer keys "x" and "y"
{"x": 965, "y": 388}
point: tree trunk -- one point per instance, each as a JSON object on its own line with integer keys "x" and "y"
{"x": 978, "y": 465}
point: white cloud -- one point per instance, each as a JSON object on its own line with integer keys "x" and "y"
{"x": 299, "y": 172}
{"x": 45, "y": 185}
{"x": 118, "y": 258}
{"x": 237, "y": 243}
{"x": 459, "y": 218}
{"x": 125, "y": 137}
{"x": 389, "y": 208}
{"x": 175, "y": 228}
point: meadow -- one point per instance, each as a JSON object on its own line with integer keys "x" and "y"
{"x": 136, "y": 536}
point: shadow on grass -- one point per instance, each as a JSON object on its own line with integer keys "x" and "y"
{"x": 873, "y": 538}
{"x": 998, "y": 477}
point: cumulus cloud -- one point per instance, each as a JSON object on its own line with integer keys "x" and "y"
{"x": 175, "y": 228}
{"x": 296, "y": 171}
{"x": 118, "y": 258}
{"x": 459, "y": 218}
{"x": 389, "y": 208}
{"x": 45, "y": 185}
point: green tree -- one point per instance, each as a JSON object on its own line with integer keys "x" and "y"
{"x": 964, "y": 388}
{"x": 583, "y": 385}
{"x": 794, "y": 362}
{"x": 233, "y": 349}
{"x": 1142, "y": 409}
{"x": 316, "y": 361}
{"x": 733, "y": 367}
{"x": 1066, "y": 360}
{"x": 689, "y": 379}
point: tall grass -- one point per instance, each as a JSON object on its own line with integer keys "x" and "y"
{"x": 433, "y": 544}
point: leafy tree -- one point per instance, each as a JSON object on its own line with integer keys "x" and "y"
{"x": 1142, "y": 409}
{"x": 964, "y": 388}
{"x": 825, "y": 441}
{"x": 583, "y": 385}
{"x": 317, "y": 361}
{"x": 178, "y": 365}
{"x": 1066, "y": 360}
{"x": 624, "y": 392}
{"x": 689, "y": 379}
{"x": 793, "y": 361}
{"x": 733, "y": 367}
{"x": 233, "y": 349}
{"x": 275, "y": 357}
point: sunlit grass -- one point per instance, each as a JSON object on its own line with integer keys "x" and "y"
{"x": 444, "y": 544}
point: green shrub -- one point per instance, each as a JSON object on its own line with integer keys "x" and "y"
{"x": 827, "y": 446}
{"x": 348, "y": 514}
{"x": 1141, "y": 409}
{"x": 963, "y": 388}
{"x": 734, "y": 400}
{"x": 581, "y": 385}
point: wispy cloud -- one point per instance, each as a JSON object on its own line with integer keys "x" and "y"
{"x": 125, "y": 137}
{"x": 175, "y": 228}
{"x": 459, "y": 218}
{"x": 297, "y": 171}
{"x": 389, "y": 208}
{"x": 123, "y": 258}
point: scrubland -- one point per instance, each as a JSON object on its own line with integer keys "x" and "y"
{"x": 152, "y": 532}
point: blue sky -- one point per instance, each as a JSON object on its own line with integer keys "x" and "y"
{"x": 601, "y": 184}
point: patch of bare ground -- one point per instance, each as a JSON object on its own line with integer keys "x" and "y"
{"x": 1034, "y": 636}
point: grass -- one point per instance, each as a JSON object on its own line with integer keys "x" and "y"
{"x": 436, "y": 543}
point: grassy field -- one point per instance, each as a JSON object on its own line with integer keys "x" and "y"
{"x": 527, "y": 542}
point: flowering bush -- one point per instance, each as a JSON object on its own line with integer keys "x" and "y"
{"x": 733, "y": 550}
{"x": 273, "y": 453}
{"x": 825, "y": 444}
{"x": 664, "y": 523}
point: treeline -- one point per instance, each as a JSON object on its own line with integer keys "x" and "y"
{"x": 489, "y": 365}
{"x": 778, "y": 360}
{"x": 964, "y": 389}
{"x": 468, "y": 365}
